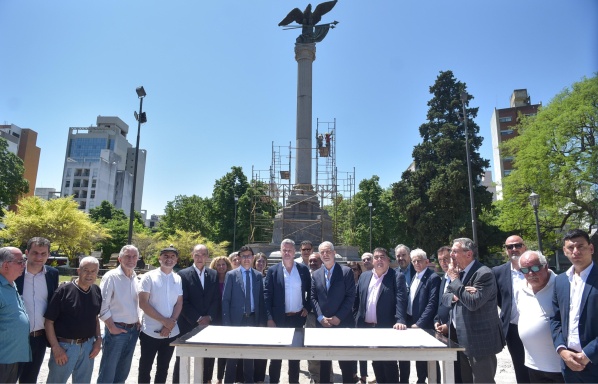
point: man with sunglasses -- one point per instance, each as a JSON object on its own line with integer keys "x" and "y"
{"x": 508, "y": 277}
{"x": 533, "y": 299}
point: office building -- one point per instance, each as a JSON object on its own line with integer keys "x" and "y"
{"x": 502, "y": 126}
{"x": 99, "y": 164}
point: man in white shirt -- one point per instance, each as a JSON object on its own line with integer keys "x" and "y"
{"x": 120, "y": 315}
{"x": 533, "y": 298}
{"x": 161, "y": 299}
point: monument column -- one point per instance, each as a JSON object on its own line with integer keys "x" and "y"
{"x": 305, "y": 54}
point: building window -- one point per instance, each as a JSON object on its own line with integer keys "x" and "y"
{"x": 67, "y": 184}
{"x": 92, "y": 194}
{"x": 505, "y": 132}
{"x": 94, "y": 172}
{"x": 505, "y": 119}
{"x": 77, "y": 183}
{"x": 82, "y": 205}
{"x": 69, "y": 172}
{"x": 529, "y": 114}
{"x": 93, "y": 183}
{"x": 507, "y": 172}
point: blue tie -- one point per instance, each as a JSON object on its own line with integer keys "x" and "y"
{"x": 328, "y": 277}
{"x": 247, "y": 293}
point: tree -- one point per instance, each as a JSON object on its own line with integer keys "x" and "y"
{"x": 234, "y": 183}
{"x": 556, "y": 156}
{"x": 12, "y": 182}
{"x": 184, "y": 242}
{"x": 70, "y": 230}
{"x": 188, "y": 213}
{"x": 106, "y": 212}
{"x": 434, "y": 197}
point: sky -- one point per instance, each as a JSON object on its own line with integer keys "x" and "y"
{"x": 221, "y": 78}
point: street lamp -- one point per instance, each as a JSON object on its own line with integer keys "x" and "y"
{"x": 534, "y": 200}
{"x": 141, "y": 118}
{"x": 370, "y": 205}
{"x": 474, "y": 229}
{"x": 235, "y": 225}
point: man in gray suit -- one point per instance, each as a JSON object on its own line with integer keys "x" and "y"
{"x": 243, "y": 305}
{"x": 472, "y": 292}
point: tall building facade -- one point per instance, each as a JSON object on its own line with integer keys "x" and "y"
{"x": 23, "y": 143}
{"x": 99, "y": 165}
{"x": 502, "y": 126}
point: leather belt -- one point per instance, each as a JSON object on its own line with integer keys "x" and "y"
{"x": 72, "y": 341}
{"x": 371, "y": 325}
{"x": 39, "y": 332}
{"x": 292, "y": 313}
{"x": 248, "y": 314}
{"x": 125, "y": 325}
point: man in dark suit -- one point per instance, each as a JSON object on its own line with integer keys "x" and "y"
{"x": 333, "y": 296}
{"x": 381, "y": 302}
{"x": 402, "y": 254}
{"x": 508, "y": 276}
{"x": 243, "y": 305}
{"x": 286, "y": 296}
{"x": 36, "y": 285}
{"x": 201, "y": 298}
{"x": 422, "y": 305}
{"x": 473, "y": 293}
{"x": 574, "y": 326}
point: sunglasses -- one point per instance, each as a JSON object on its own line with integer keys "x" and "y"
{"x": 533, "y": 268}
{"x": 513, "y": 246}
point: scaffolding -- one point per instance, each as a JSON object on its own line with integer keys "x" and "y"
{"x": 331, "y": 186}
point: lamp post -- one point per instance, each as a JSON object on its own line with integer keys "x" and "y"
{"x": 235, "y": 225}
{"x": 474, "y": 229}
{"x": 534, "y": 200}
{"x": 370, "y": 205}
{"x": 141, "y": 118}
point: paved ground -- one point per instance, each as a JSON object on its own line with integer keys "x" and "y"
{"x": 504, "y": 374}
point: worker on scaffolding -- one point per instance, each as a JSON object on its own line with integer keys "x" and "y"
{"x": 320, "y": 140}
{"x": 328, "y": 136}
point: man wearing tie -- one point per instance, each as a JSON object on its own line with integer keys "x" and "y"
{"x": 575, "y": 301}
{"x": 200, "y": 302}
{"x": 286, "y": 293}
{"x": 422, "y": 306}
{"x": 333, "y": 296}
{"x": 381, "y": 302}
{"x": 243, "y": 305}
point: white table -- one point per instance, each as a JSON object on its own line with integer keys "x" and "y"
{"x": 308, "y": 344}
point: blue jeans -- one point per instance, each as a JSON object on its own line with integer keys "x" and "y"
{"x": 117, "y": 354}
{"x": 79, "y": 364}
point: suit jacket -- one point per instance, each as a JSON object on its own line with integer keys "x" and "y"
{"x": 274, "y": 291}
{"x": 338, "y": 300}
{"x": 425, "y": 302}
{"x": 443, "y": 314}
{"x": 233, "y": 297}
{"x": 409, "y": 278}
{"x": 588, "y": 326}
{"x": 198, "y": 300}
{"x": 391, "y": 306}
{"x": 51, "y": 281}
{"x": 477, "y": 323}
{"x": 504, "y": 283}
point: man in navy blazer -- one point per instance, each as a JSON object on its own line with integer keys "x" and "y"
{"x": 402, "y": 254}
{"x": 239, "y": 309}
{"x": 287, "y": 299}
{"x": 574, "y": 325}
{"x": 472, "y": 292}
{"x": 381, "y": 302}
{"x": 507, "y": 276}
{"x": 201, "y": 298}
{"x": 36, "y": 285}
{"x": 333, "y": 296}
{"x": 422, "y": 306}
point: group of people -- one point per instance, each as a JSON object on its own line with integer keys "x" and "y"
{"x": 544, "y": 319}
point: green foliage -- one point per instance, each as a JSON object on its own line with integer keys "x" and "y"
{"x": 434, "y": 198}
{"x": 555, "y": 155}
{"x": 234, "y": 183}
{"x": 70, "y": 230}
{"x": 188, "y": 213}
{"x": 12, "y": 182}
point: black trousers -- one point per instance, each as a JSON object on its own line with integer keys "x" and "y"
{"x": 9, "y": 373}
{"x": 208, "y": 370}
{"x": 346, "y": 370}
{"x": 536, "y": 376}
{"x": 230, "y": 375}
{"x": 386, "y": 371}
{"x": 295, "y": 321}
{"x": 28, "y": 371}
{"x": 517, "y": 353}
{"x": 149, "y": 348}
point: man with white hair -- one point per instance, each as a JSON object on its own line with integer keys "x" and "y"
{"x": 367, "y": 260}
{"x": 533, "y": 298}
{"x": 73, "y": 326}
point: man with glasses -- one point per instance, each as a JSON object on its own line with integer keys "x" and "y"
{"x": 243, "y": 306}
{"x": 508, "y": 277}
{"x": 382, "y": 303}
{"x": 306, "y": 248}
{"x": 574, "y": 326}
{"x": 475, "y": 317}
{"x": 14, "y": 323}
{"x": 366, "y": 259}
{"x": 36, "y": 286}
{"x": 533, "y": 298}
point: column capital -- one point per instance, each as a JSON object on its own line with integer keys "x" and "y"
{"x": 305, "y": 51}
